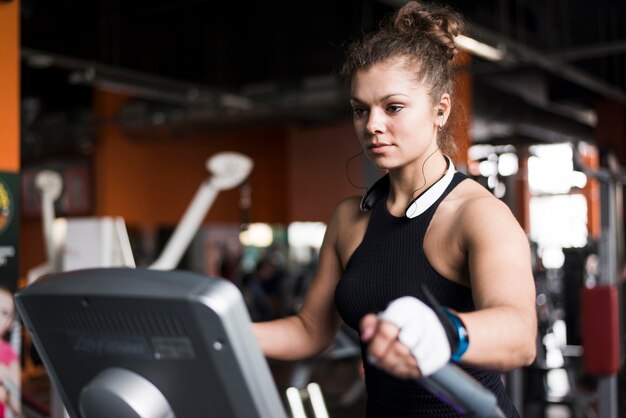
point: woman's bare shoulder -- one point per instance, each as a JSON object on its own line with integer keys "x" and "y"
{"x": 480, "y": 213}
{"x": 348, "y": 209}
{"x": 473, "y": 196}
{"x": 347, "y": 226}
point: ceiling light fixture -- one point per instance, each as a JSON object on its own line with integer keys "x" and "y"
{"x": 480, "y": 49}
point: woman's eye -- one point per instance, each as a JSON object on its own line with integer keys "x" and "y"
{"x": 394, "y": 108}
{"x": 358, "y": 111}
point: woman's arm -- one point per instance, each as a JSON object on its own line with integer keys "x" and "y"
{"x": 313, "y": 328}
{"x": 502, "y": 330}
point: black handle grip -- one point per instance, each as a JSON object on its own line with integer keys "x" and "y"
{"x": 461, "y": 391}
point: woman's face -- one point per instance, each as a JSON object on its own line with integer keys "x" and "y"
{"x": 6, "y": 310}
{"x": 394, "y": 117}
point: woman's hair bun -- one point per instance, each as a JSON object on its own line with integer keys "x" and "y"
{"x": 442, "y": 24}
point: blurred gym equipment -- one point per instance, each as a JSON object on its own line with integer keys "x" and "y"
{"x": 131, "y": 343}
{"x": 90, "y": 242}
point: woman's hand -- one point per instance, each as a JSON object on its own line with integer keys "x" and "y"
{"x": 407, "y": 339}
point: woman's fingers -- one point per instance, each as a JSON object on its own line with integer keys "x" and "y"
{"x": 368, "y": 327}
{"x": 385, "y": 350}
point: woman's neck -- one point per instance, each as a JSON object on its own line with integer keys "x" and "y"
{"x": 408, "y": 183}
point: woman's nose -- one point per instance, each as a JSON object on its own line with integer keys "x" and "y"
{"x": 375, "y": 122}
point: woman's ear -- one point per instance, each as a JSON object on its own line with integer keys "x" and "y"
{"x": 443, "y": 109}
{"x": 444, "y": 104}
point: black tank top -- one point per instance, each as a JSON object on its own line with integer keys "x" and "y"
{"x": 390, "y": 263}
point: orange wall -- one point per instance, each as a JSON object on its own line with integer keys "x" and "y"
{"x": 299, "y": 172}
{"x": 151, "y": 181}
{"x": 317, "y": 170}
{"x": 462, "y": 109}
{"x": 9, "y": 87}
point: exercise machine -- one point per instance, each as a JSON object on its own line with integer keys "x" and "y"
{"x": 90, "y": 242}
{"x": 130, "y": 343}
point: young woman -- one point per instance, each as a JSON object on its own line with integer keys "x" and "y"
{"x": 421, "y": 226}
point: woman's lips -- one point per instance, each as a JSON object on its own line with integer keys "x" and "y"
{"x": 379, "y": 148}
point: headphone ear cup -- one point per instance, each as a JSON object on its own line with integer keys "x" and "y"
{"x": 374, "y": 193}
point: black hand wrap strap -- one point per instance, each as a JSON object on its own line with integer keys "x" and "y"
{"x": 448, "y": 325}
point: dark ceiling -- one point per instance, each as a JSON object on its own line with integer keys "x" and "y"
{"x": 233, "y": 63}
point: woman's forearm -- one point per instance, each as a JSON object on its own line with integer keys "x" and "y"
{"x": 288, "y": 339}
{"x": 500, "y": 338}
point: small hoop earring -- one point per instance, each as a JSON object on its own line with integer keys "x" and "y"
{"x": 441, "y": 125}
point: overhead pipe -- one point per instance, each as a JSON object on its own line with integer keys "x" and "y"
{"x": 275, "y": 104}
{"x": 133, "y": 83}
{"x": 494, "y": 106}
{"x": 552, "y": 64}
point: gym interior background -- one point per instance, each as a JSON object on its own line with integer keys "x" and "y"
{"x": 127, "y": 100}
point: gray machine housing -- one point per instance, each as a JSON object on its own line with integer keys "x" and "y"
{"x": 144, "y": 343}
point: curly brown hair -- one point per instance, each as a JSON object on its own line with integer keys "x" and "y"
{"x": 421, "y": 36}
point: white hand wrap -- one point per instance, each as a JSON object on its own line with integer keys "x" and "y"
{"x": 420, "y": 331}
